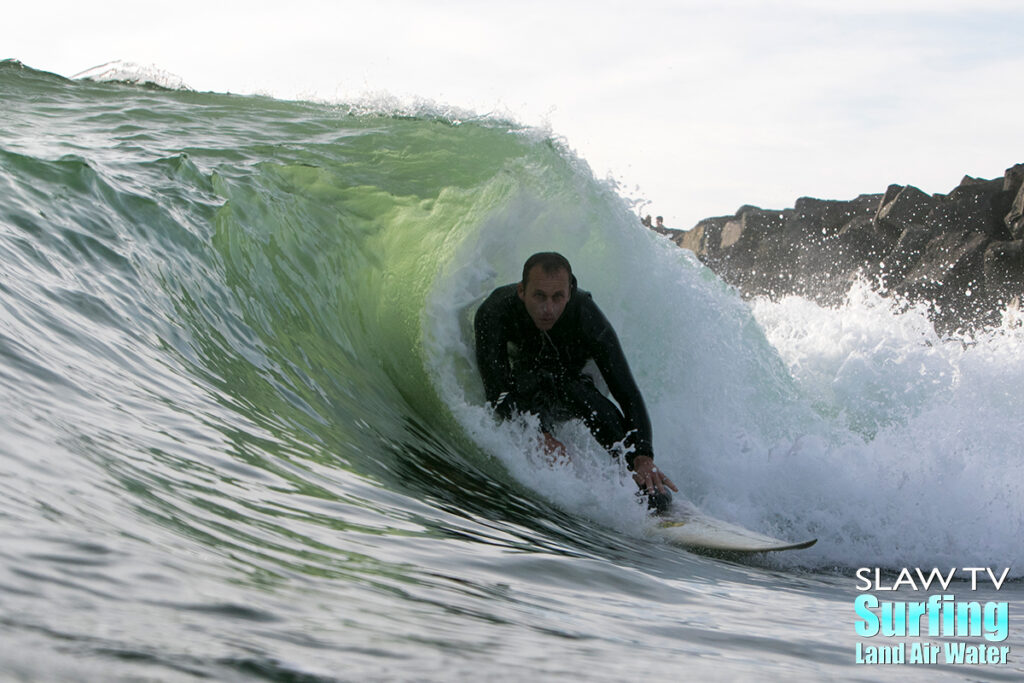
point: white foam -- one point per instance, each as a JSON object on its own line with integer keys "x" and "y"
{"x": 925, "y": 463}
{"x": 669, "y": 314}
{"x": 858, "y": 425}
{"x": 130, "y": 72}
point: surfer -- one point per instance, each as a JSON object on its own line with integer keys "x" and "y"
{"x": 533, "y": 339}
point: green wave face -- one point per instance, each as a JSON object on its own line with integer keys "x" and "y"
{"x": 283, "y": 288}
{"x": 300, "y": 278}
{"x": 234, "y": 283}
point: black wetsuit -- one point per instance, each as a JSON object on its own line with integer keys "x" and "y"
{"x": 527, "y": 370}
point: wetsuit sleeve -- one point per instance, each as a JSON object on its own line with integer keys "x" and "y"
{"x": 611, "y": 361}
{"x": 490, "y": 330}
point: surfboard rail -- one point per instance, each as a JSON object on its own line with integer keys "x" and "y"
{"x": 695, "y": 530}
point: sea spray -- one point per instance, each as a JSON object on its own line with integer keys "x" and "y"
{"x": 922, "y": 429}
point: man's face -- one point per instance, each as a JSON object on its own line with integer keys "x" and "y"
{"x": 545, "y": 296}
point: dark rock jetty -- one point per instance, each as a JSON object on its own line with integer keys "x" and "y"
{"x": 961, "y": 253}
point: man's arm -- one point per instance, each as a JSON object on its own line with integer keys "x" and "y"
{"x": 614, "y": 367}
{"x": 489, "y": 327}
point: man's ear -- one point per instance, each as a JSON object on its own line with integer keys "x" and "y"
{"x": 520, "y": 291}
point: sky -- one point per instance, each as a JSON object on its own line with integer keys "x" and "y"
{"x": 694, "y": 107}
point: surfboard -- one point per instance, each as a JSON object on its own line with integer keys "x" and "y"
{"x": 693, "y": 529}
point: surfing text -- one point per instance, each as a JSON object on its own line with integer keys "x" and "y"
{"x": 939, "y": 615}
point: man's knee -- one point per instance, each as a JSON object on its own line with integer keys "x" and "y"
{"x": 601, "y": 416}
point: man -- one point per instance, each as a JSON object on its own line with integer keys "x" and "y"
{"x": 532, "y": 342}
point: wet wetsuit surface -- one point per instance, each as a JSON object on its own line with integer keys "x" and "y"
{"x": 525, "y": 369}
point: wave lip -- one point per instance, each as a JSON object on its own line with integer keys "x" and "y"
{"x": 120, "y": 71}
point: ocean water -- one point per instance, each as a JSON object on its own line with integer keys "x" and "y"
{"x": 242, "y": 435}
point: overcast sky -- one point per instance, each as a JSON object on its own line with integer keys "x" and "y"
{"x": 699, "y": 106}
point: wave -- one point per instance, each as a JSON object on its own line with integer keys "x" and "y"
{"x": 246, "y": 322}
{"x": 120, "y": 71}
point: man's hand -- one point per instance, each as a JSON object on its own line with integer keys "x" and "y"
{"x": 554, "y": 448}
{"x": 649, "y": 477}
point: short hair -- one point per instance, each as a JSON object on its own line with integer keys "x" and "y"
{"x": 550, "y": 263}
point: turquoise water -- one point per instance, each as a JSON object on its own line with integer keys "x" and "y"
{"x": 242, "y": 434}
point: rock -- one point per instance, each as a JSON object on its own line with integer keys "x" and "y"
{"x": 742, "y": 234}
{"x": 908, "y": 205}
{"x": 949, "y": 276}
{"x": 962, "y": 252}
{"x": 975, "y": 205}
{"x": 1003, "y": 271}
{"x": 826, "y": 217}
{"x": 703, "y": 237}
{"x": 1013, "y": 185}
{"x": 1013, "y": 178}
{"x": 904, "y": 255}
{"x": 808, "y": 240}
